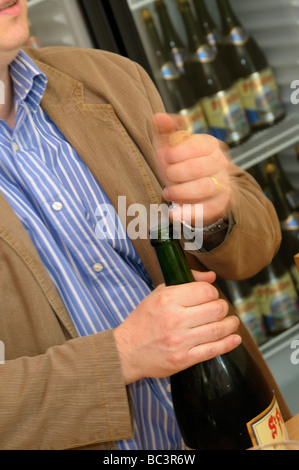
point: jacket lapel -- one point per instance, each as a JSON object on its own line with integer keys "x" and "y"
{"x": 97, "y": 134}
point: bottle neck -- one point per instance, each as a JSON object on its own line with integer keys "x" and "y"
{"x": 169, "y": 33}
{"x": 286, "y": 184}
{"x": 172, "y": 259}
{"x": 154, "y": 38}
{"x": 229, "y": 20}
{"x": 281, "y": 205}
{"x": 204, "y": 16}
{"x": 195, "y": 34}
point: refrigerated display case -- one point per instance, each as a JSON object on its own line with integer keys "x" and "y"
{"x": 59, "y": 23}
{"x": 116, "y": 26}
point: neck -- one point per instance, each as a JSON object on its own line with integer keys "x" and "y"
{"x": 7, "y": 111}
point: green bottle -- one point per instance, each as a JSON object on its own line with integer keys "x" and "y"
{"x": 171, "y": 39}
{"x": 218, "y": 403}
{"x": 291, "y": 194}
{"x": 180, "y": 95}
{"x": 249, "y": 66}
{"x": 289, "y": 221}
{"x": 213, "y": 84}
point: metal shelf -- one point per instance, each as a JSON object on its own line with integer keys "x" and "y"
{"x": 33, "y": 3}
{"x": 264, "y": 144}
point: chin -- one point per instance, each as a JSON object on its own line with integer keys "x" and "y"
{"x": 18, "y": 38}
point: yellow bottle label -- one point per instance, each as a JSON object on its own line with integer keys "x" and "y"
{"x": 225, "y": 116}
{"x": 268, "y": 427}
{"x": 279, "y": 303}
{"x": 260, "y": 97}
{"x": 194, "y": 120}
{"x": 249, "y": 312}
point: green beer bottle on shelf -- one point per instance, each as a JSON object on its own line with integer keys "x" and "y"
{"x": 213, "y": 84}
{"x": 291, "y": 194}
{"x": 289, "y": 221}
{"x": 181, "y": 97}
{"x": 171, "y": 39}
{"x": 218, "y": 403}
{"x": 249, "y": 67}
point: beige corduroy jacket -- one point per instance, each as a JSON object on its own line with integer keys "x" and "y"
{"x": 58, "y": 391}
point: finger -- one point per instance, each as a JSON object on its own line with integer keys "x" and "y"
{"x": 197, "y": 145}
{"x": 208, "y": 276}
{"x": 191, "y": 294}
{"x": 205, "y": 314}
{"x": 195, "y": 168}
{"x": 205, "y": 352}
{"x": 215, "y": 331}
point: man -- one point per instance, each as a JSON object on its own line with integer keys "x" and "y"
{"x": 89, "y": 341}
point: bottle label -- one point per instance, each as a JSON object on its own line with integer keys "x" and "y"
{"x": 214, "y": 38}
{"x": 169, "y": 71}
{"x": 268, "y": 427}
{"x": 225, "y": 116}
{"x": 279, "y": 303}
{"x": 260, "y": 97}
{"x": 194, "y": 120}
{"x": 179, "y": 56}
{"x": 238, "y": 36}
{"x": 205, "y": 53}
{"x": 249, "y": 312}
{"x": 291, "y": 223}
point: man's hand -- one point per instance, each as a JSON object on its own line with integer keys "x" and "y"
{"x": 174, "y": 328}
{"x": 192, "y": 171}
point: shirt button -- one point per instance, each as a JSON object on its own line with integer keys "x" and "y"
{"x": 15, "y": 146}
{"x": 57, "y": 206}
{"x": 98, "y": 267}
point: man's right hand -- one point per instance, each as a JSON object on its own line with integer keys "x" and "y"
{"x": 174, "y": 328}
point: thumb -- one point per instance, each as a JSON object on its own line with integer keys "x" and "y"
{"x": 205, "y": 276}
{"x": 165, "y": 126}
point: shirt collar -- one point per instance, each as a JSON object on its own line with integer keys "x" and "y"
{"x": 28, "y": 80}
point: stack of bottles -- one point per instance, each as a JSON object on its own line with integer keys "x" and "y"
{"x": 269, "y": 303}
{"x": 220, "y": 80}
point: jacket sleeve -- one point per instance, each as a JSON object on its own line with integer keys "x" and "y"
{"x": 64, "y": 398}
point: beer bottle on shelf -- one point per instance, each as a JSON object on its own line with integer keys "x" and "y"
{"x": 289, "y": 221}
{"x": 170, "y": 37}
{"x": 291, "y": 194}
{"x": 249, "y": 66}
{"x": 208, "y": 25}
{"x": 180, "y": 94}
{"x": 245, "y": 302}
{"x": 219, "y": 403}
{"x": 213, "y": 84}
{"x": 277, "y": 297}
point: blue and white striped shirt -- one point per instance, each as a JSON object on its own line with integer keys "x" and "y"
{"x": 100, "y": 279}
